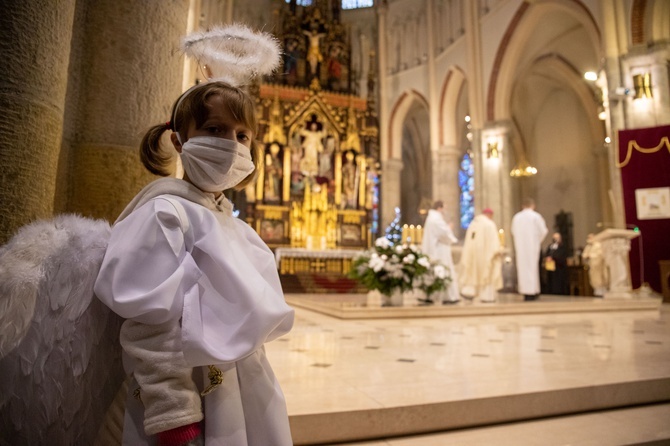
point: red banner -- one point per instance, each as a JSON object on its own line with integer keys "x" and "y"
{"x": 644, "y": 162}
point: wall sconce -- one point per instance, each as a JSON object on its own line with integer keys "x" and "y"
{"x": 642, "y": 85}
{"x": 492, "y": 151}
{"x": 602, "y": 114}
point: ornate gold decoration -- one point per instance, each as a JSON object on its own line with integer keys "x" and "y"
{"x": 632, "y": 144}
{"x": 353, "y": 141}
{"x": 314, "y": 221}
{"x": 642, "y": 85}
{"x": 286, "y": 192}
{"x": 275, "y": 131}
{"x": 215, "y": 376}
{"x": 362, "y": 184}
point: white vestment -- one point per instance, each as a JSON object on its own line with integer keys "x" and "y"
{"x": 480, "y": 266}
{"x": 198, "y": 287}
{"x": 528, "y": 230}
{"x": 436, "y": 244}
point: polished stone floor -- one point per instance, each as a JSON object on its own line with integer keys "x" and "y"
{"x": 481, "y": 379}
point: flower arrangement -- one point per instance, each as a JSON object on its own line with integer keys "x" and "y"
{"x": 389, "y": 268}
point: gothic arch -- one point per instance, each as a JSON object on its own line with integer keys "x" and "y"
{"x": 399, "y": 114}
{"x": 656, "y": 26}
{"x": 451, "y": 91}
{"x": 514, "y": 46}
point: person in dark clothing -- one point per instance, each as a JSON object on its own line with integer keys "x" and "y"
{"x": 555, "y": 264}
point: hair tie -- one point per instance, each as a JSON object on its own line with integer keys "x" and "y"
{"x": 168, "y": 125}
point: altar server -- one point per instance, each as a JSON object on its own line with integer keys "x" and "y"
{"x": 436, "y": 244}
{"x": 528, "y": 231}
{"x": 198, "y": 287}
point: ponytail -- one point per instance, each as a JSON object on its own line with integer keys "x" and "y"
{"x": 154, "y": 159}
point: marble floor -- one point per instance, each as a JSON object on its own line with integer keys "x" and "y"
{"x": 477, "y": 379}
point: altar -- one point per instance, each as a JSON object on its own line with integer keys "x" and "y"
{"x": 317, "y": 271}
{"x": 303, "y": 260}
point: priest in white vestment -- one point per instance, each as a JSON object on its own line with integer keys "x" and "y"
{"x": 528, "y": 231}
{"x": 480, "y": 267}
{"x": 436, "y": 244}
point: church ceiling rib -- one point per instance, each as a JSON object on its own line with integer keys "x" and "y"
{"x": 525, "y": 21}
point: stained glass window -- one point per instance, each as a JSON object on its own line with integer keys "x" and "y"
{"x": 353, "y": 4}
{"x": 466, "y": 184}
{"x": 301, "y": 2}
{"x": 346, "y": 4}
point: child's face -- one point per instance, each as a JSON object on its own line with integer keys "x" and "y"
{"x": 221, "y": 124}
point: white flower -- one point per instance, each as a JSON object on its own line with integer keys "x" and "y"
{"x": 423, "y": 261}
{"x": 409, "y": 258}
{"x": 382, "y": 242}
{"x": 414, "y": 248}
{"x": 376, "y": 263}
{"x": 398, "y": 249}
{"x": 384, "y": 256}
{"x": 396, "y": 273}
{"x": 440, "y": 271}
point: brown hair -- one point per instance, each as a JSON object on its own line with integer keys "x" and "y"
{"x": 438, "y": 204}
{"x": 191, "y": 106}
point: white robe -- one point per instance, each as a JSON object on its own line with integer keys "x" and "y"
{"x": 480, "y": 264}
{"x": 198, "y": 287}
{"x": 436, "y": 244}
{"x": 528, "y": 231}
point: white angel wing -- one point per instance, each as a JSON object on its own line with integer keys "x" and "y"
{"x": 60, "y": 360}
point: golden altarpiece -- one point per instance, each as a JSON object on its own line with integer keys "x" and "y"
{"x": 318, "y": 191}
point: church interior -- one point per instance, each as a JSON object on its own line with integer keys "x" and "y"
{"x": 379, "y": 109}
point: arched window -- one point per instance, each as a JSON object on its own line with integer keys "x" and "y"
{"x": 354, "y": 4}
{"x": 346, "y": 4}
{"x": 302, "y": 2}
{"x": 466, "y": 184}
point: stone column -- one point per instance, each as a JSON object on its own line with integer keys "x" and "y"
{"x": 131, "y": 72}
{"x": 390, "y": 182}
{"x": 478, "y": 163}
{"x": 496, "y": 185}
{"x": 446, "y": 163}
{"x": 615, "y": 46}
{"x": 36, "y": 37}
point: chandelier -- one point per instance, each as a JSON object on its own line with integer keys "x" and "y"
{"x": 523, "y": 169}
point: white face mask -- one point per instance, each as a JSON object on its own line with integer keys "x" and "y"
{"x": 215, "y": 164}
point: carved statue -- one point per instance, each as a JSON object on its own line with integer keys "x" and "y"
{"x": 312, "y": 146}
{"x": 353, "y": 141}
{"x": 273, "y": 174}
{"x": 314, "y": 56}
{"x": 325, "y": 159}
{"x": 291, "y": 56}
{"x": 349, "y": 181}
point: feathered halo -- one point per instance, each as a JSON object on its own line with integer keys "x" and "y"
{"x": 233, "y": 53}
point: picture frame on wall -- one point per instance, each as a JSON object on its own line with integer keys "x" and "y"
{"x": 272, "y": 230}
{"x": 350, "y": 234}
{"x": 652, "y": 203}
